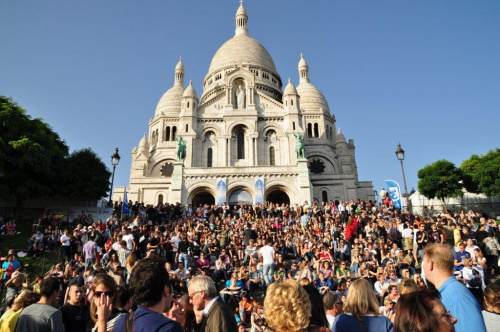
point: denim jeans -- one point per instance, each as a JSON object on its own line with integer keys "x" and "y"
{"x": 267, "y": 271}
{"x": 184, "y": 258}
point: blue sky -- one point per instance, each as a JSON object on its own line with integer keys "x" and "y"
{"x": 423, "y": 73}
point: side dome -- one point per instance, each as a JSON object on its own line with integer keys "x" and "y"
{"x": 241, "y": 49}
{"x": 290, "y": 89}
{"x": 311, "y": 99}
{"x": 170, "y": 101}
{"x": 190, "y": 91}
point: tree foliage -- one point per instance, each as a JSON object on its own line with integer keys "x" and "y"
{"x": 35, "y": 161}
{"x": 85, "y": 176}
{"x": 31, "y": 154}
{"x": 482, "y": 173}
{"x": 440, "y": 179}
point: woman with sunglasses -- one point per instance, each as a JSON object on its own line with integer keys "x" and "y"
{"x": 101, "y": 305}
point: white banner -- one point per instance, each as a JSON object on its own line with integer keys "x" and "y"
{"x": 74, "y": 211}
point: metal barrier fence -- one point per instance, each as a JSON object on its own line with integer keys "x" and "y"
{"x": 491, "y": 209}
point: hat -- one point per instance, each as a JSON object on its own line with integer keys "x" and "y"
{"x": 79, "y": 281}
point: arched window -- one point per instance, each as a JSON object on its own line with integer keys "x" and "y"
{"x": 160, "y": 199}
{"x": 174, "y": 132}
{"x": 240, "y": 141}
{"x": 324, "y": 195}
{"x": 209, "y": 157}
{"x": 327, "y": 133}
{"x": 272, "y": 161}
{"x": 309, "y": 130}
{"x": 291, "y": 101}
{"x": 156, "y": 136}
{"x": 187, "y": 128}
{"x": 167, "y": 134}
{"x": 188, "y": 105}
{"x": 331, "y": 132}
{"x": 293, "y": 125}
{"x": 316, "y": 130}
{"x": 286, "y": 102}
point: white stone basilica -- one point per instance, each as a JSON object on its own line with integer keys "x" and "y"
{"x": 241, "y": 136}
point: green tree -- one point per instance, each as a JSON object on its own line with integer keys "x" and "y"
{"x": 84, "y": 176}
{"x": 31, "y": 155}
{"x": 440, "y": 179}
{"x": 482, "y": 173}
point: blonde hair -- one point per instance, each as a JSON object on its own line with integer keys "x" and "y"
{"x": 24, "y": 299}
{"x": 492, "y": 298}
{"x": 408, "y": 286}
{"x": 287, "y": 306}
{"x": 441, "y": 254}
{"x": 361, "y": 300}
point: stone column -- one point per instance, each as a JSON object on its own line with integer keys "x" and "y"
{"x": 304, "y": 182}
{"x": 175, "y": 190}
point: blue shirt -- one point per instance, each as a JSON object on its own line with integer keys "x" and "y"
{"x": 462, "y": 305}
{"x": 146, "y": 320}
{"x": 304, "y": 220}
{"x": 346, "y": 322}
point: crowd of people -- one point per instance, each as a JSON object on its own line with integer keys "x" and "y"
{"x": 340, "y": 266}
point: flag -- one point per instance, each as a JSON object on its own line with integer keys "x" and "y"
{"x": 394, "y": 193}
{"x": 125, "y": 207}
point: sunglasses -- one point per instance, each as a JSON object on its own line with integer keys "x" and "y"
{"x": 109, "y": 294}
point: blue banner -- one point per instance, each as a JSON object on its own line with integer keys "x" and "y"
{"x": 394, "y": 193}
{"x": 221, "y": 191}
{"x": 259, "y": 191}
{"x": 125, "y": 207}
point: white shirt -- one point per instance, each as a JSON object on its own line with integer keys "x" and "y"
{"x": 129, "y": 238}
{"x": 63, "y": 240}
{"x": 267, "y": 253}
{"x": 175, "y": 241}
{"x": 331, "y": 320}
{"x": 209, "y": 305}
{"x": 407, "y": 232}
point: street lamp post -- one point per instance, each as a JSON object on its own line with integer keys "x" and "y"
{"x": 115, "y": 159}
{"x": 400, "y": 154}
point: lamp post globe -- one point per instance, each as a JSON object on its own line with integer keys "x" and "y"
{"x": 115, "y": 159}
{"x": 400, "y": 154}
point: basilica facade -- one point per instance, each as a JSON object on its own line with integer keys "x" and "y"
{"x": 241, "y": 137}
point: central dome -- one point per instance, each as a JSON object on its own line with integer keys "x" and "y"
{"x": 241, "y": 49}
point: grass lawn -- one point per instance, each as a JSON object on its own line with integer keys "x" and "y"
{"x": 19, "y": 242}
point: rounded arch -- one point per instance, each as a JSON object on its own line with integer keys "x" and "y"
{"x": 324, "y": 191}
{"x": 247, "y": 77}
{"x": 326, "y": 156}
{"x": 156, "y": 169}
{"x": 217, "y": 131}
{"x": 282, "y": 185}
{"x": 232, "y": 187}
{"x": 160, "y": 197}
{"x": 250, "y": 127}
{"x": 271, "y": 126}
{"x": 277, "y": 194}
{"x": 200, "y": 194}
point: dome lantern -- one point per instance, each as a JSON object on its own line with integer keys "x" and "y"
{"x": 303, "y": 70}
{"x": 179, "y": 73}
{"x": 241, "y": 21}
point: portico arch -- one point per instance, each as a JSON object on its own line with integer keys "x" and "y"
{"x": 201, "y": 195}
{"x": 240, "y": 195}
{"x": 277, "y": 194}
